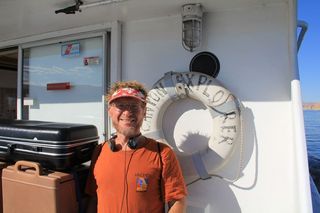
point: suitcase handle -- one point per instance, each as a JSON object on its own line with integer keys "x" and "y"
{"x": 19, "y": 164}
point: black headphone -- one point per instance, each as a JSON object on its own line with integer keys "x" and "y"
{"x": 132, "y": 143}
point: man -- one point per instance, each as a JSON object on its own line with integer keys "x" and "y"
{"x": 130, "y": 172}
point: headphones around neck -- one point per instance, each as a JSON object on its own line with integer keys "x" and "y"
{"x": 132, "y": 143}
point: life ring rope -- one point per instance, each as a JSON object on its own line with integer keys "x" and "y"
{"x": 226, "y": 109}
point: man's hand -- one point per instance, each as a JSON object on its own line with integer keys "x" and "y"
{"x": 177, "y": 206}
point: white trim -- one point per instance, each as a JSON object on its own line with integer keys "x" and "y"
{"x": 65, "y": 38}
{"x": 55, "y": 34}
{"x": 105, "y": 83}
{"x": 19, "y": 84}
{"x": 300, "y": 150}
{"x": 303, "y": 181}
{"x": 115, "y": 61}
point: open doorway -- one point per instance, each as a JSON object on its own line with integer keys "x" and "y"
{"x": 8, "y": 83}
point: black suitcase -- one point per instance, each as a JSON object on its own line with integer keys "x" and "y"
{"x": 58, "y": 146}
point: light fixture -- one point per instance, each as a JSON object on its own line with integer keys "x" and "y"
{"x": 72, "y": 9}
{"x": 191, "y": 26}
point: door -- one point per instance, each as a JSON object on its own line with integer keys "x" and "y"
{"x": 8, "y": 83}
{"x": 64, "y": 82}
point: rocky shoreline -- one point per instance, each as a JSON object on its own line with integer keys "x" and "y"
{"x": 311, "y": 106}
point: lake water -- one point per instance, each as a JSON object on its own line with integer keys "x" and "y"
{"x": 312, "y": 128}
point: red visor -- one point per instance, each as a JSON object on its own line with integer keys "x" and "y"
{"x": 127, "y": 92}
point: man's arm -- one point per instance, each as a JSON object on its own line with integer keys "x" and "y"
{"x": 178, "y": 206}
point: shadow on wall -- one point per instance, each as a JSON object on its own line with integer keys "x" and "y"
{"x": 215, "y": 194}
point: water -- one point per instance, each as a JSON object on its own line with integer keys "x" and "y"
{"x": 312, "y": 128}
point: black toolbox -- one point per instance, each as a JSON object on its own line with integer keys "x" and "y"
{"x": 58, "y": 146}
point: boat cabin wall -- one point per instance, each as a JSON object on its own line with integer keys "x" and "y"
{"x": 250, "y": 43}
{"x": 254, "y": 47}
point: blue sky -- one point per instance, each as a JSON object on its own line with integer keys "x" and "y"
{"x": 309, "y": 53}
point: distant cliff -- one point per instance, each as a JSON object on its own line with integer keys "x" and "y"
{"x": 311, "y": 106}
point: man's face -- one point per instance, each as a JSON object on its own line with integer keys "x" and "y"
{"x": 127, "y": 116}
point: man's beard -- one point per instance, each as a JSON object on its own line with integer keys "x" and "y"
{"x": 129, "y": 132}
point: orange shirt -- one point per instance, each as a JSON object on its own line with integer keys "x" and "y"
{"x": 129, "y": 181}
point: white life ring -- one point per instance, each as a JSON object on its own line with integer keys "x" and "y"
{"x": 223, "y": 107}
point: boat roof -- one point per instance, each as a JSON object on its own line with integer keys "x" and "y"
{"x": 21, "y": 18}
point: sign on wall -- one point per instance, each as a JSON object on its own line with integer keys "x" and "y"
{"x": 70, "y": 49}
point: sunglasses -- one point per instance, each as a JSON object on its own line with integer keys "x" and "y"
{"x": 130, "y": 107}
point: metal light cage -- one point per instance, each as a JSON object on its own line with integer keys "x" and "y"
{"x": 191, "y": 26}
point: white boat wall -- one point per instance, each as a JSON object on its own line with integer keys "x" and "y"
{"x": 256, "y": 44}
